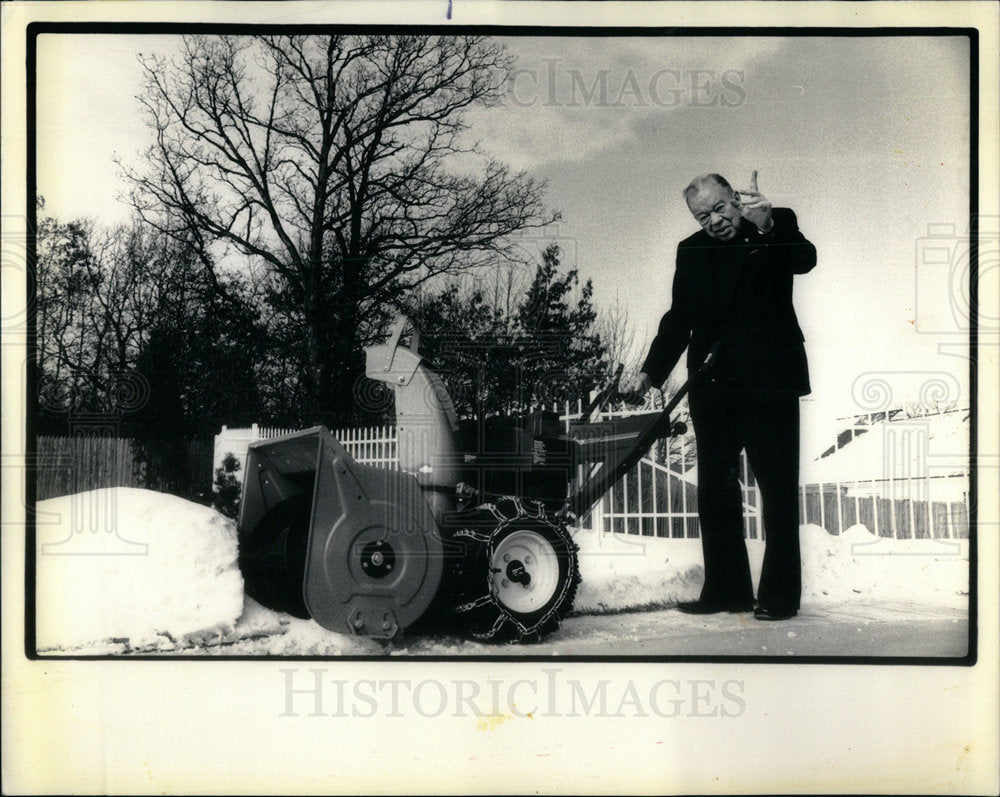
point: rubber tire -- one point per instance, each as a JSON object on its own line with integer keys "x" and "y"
{"x": 272, "y": 557}
{"x": 476, "y": 533}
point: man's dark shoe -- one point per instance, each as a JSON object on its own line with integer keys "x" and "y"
{"x": 711, "y": 607}
{"x": 763, "y": 613}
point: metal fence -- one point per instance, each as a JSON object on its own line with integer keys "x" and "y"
{"x": 659, "y": 497}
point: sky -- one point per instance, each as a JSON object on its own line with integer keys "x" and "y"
{"x": 866, "y": 138}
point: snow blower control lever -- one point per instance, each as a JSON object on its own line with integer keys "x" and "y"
{"x": 619, "y": 444}
{"x": 472, "y": 528}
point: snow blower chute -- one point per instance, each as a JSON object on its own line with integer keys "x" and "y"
{"x": 474, "y": 521}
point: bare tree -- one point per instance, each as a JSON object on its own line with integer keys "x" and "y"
{"x": 334, "y": 161}
{"x": 616, "y": 331}
{"x": 104, "y": 295}
{"x": 63, "y": 255}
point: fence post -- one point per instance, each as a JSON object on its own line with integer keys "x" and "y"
{"x": 655, "y": 520}
{"x": 875, "y": 513}
{"x": 822, "y": 514}
{"x": 840, "y": 511}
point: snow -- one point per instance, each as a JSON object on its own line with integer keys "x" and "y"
{"x": 625, "y": 572}
{"x": 135, "y": 565}
{"x": 858, "y": 563}
{"x": 183, "y": 591}
{"x": 933, "y": 445}
{"x": 622, "y": 571}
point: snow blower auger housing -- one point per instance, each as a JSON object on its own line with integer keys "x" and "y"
{"x": 474, "y": 521}
{"x": 352, "y": 546}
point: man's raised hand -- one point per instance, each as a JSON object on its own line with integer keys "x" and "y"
{"x": 755, "y": 207}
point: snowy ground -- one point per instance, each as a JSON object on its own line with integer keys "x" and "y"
{"x": 129, "y": 571}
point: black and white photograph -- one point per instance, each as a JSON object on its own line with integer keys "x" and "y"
{"x": 491, "y": 372}
{"x": 361, "y": 299}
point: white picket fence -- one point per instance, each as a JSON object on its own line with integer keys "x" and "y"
{"x": 372, "y": 446}
{"x": 659, "y": 496}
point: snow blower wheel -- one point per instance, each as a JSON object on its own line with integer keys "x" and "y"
{"x": 518, "y": 573}
{"x": 273, "y": 558}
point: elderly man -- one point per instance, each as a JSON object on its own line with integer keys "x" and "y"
{"x": 733, "y": 285}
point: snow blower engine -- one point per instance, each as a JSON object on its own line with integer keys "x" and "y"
{"x": 471, "y": 527}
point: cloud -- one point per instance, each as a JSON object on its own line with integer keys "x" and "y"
{"x": 571, "y": 98}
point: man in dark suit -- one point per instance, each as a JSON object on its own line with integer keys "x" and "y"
{"x": 733, "y": 285}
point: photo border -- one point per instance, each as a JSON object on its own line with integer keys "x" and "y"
{"x": 36, "y": 29}
{"x": 86, "y": 726}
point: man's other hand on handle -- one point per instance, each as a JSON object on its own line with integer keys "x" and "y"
{"x": 635, "y": 389}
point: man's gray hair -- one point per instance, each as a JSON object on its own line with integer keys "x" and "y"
{"x": 699, "y": 182}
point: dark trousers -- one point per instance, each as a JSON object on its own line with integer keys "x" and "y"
{"x": 725, "y": 422}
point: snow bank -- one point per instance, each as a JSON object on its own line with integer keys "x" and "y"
{"x": 625, "y": 572}
{"x": 133, "y": 567}
{"x": 858, "y": 565}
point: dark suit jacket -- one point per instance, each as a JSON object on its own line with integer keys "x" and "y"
{"x": 739, "y": 293}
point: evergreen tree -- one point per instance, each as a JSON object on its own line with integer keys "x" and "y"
{"x": 505, "y": 359}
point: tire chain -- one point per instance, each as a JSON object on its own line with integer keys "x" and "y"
{"x": 479, "y": 612}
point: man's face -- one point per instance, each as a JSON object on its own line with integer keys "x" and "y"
{"x": 716, "y": 210}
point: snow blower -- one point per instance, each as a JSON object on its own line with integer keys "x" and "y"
{"x": 474, "y": 520}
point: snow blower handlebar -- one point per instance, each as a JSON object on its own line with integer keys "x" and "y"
{"x": 617, "y": 447}
{"x": 608, "y": 394}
